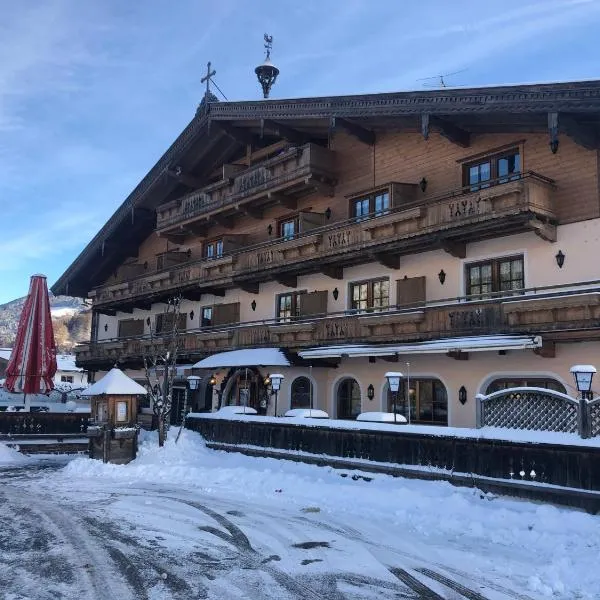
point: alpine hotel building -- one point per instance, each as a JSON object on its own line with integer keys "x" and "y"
{"x": 452, "y": 235}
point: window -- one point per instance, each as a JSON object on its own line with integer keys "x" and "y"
{"x": 288, "y": 306}
{"x": 370, "y": 295}
{"x": 206, "y": 319}
{"x": 213, "y": 249}
{"x": 498, "y": 275}
{"x": 498, "y": 168}
{"x": 66, "y": 378}
{"x": 302, "y": 393}
{"x": 512, "y": 382}
{"x": 373, "y": 205}
{"x": 288, "y": 229}
{"x": 428, "y": 401}
{"x": 348, "y": 399}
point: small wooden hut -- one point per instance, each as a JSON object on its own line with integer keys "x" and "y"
{"x": 113, "y": 427}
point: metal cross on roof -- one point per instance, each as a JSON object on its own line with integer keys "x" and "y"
{"x": 207, "y": 78}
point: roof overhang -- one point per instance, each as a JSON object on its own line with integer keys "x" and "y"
{"x": 451, "y": 345}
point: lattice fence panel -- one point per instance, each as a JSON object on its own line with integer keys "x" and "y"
{"x": 529, "y": 410}
{"x": 594, "y": 419}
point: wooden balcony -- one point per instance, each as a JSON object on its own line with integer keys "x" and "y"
{"x": 184, "y": 279}
{"x": 292, "y": 173}
{"x": 448, "y": 222}
{"x": 554, "y": 313}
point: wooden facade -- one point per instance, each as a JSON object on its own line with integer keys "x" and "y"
{"x": 357, "y": 220}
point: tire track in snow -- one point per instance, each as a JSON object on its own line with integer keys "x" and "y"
{"x": 103, "y": 579}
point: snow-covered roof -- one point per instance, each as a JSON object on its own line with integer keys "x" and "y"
{"x": 252, "y": 357}
{"x": 66, "y": 362}
{"x": 115, "y": 382}
{"x": 463, "y": 344}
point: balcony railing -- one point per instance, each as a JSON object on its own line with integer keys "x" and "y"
{"x": 408, "y": 227}
{"x": 292, "y": 168}
{"x": 502, "y": 208}
{"x": 548, "y": 311}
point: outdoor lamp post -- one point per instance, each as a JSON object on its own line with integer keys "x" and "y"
{"x": 393, "y": 379}
{"x": 276, "y": 379}
{"x": 583, "y": 375}
{"x": 192, "y": 383}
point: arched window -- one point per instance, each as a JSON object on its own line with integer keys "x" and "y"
{"x": 348, "y": 399}
{"x": 302, "y": 391}
{"x": 503, "y": 383}
{"x": 428, "y": 401}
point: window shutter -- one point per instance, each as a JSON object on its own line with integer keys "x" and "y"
{"x": 224, "y": 314}
{"x": 165, "y": 322}
{"x": 314, "y": 303}
{"x": 310, "y": 220}
{"x": 131, "y": 327}
{"x": 410, "y": 292}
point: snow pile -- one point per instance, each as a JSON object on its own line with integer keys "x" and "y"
{"x": 8, "y": 456}
{"x": 381, "y": 417}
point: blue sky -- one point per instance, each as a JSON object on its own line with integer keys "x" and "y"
{"x": 92, "y": 93}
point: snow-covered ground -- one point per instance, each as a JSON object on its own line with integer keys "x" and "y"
{"x": 188, "y": 522}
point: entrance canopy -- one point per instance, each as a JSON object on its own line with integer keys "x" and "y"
{"x": 464, "y": 344}
{"x": 252, "y": 357}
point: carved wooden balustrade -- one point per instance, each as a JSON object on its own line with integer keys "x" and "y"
{"x": 456, "y": 218}
{"x": 526, "y": 313}
{"x": 292, "y": 171}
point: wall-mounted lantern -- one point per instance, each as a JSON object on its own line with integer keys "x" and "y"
{"x": 328, "y": 213}
{"x": 148, "y": 321}
{"x": 462, "y": 395}
{"x": 423, "y": 184}
{"x": 270, "y": 229}
{"x": 191, "y": 315}
{"x": 253, "y": 305}
{"x": 370, "y": 392}
{"x": 335, "y": 293}
{"x": 442, "y": 276}
{"x": 105, "y": 326}
{"x": 560, "y": 259}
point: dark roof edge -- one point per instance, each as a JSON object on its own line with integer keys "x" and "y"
{"x": 172, "y": 154}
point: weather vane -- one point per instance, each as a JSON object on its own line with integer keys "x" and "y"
{"x": 267, "y": 72}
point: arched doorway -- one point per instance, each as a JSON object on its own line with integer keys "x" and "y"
{"x": 302, "y": 393}
{"x": 502, "y": 383}
{"x": 348, "y": 399}
{"x": 428, "y": 401}
{"x": 245, "y": 387}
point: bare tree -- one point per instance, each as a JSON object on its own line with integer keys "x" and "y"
{"x": 160, "y": 363}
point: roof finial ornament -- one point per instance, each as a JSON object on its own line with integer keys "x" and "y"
{"x": 267, "y": 72}
{"x": 208, "y": 95}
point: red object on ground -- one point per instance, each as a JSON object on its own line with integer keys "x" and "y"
{"x": 32, "y": 363}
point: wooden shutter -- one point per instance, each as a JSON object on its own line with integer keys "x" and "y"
{"x": 410, "y": 292}
{"x": 224, "y": 314}
{"x": 131, "y": 327}
{"x": 314, "y": 303}
{"x": 310, "y": 220}
{"x": 165, "y": 322}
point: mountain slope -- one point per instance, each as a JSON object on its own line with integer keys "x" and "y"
{"x": 71, "y": 318}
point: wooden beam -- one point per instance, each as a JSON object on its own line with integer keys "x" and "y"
{"x": 189, "y": 180}
{"x": 198, "y": 229}
{"x": 393, "y": 358}
{"x": 239, "y": 135}
{"x": 321, "y": 187}
{"x": 193, "y": 295}
{"x": 176, "y": 237}
{"x": 547, "y": 350}
{"x": 109, "y": 312}
{"x": 425, "y": 125}
{"x": 250, "y": 287}
{"x": 219, "y": 292}
{"x": 458, "y": 355}
{"x": 391, "y": 261}
{"x": 546, "y": 231}
{"x": 366, "y": 136}
{"x": 284, "y": 131}
{"x": 251, "y": 211}
{"x": 456, "y": 249}
{"x": 553, "y": 131}
{"x": 282, "y": 200}
{"x": 453, "y": 133}
{"x": 226, "y": 222}
{"x": 333, "y": 272}
{"x": 584, "y": 135}
{"x": 287, "y": 280}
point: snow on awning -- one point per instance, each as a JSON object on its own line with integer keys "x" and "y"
{"x": 252, "y": 357}
{"x": 464, "y": 344}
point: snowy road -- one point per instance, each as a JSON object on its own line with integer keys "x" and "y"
{"x": 147, "y": 531}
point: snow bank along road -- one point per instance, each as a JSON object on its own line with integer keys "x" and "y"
{"x": 187, "y": 522}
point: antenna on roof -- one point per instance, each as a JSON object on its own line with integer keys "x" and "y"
{"x": 440, "y": 80}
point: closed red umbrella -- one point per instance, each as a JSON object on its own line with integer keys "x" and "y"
{"x": 32, "y": 363}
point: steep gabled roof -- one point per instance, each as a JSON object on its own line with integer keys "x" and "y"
{"x": 454, "y": 111}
